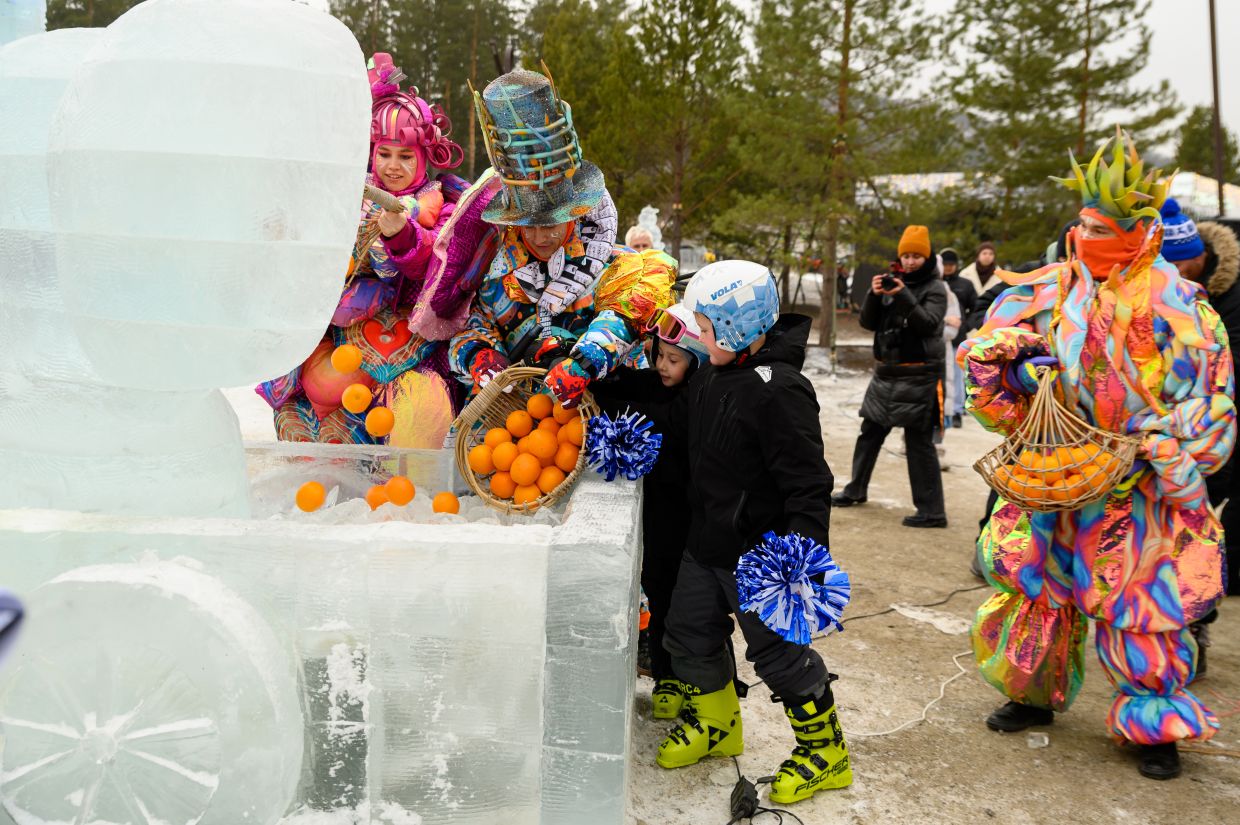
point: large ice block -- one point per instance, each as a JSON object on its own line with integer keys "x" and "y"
{"x": 194, "y": 236}
{"x": 21, "y": 18}
{"x": 462, "y": 673}
{"x": 205, "y": 167}
{"x": 34, "y": 329}
{"x": 66, "y": 438}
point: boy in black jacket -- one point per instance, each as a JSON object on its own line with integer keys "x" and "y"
{"x": 755, "y": 465}
{"x": 677, "y": 353}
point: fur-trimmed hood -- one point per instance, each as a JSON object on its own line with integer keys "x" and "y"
{"x": 1226, "y": 247}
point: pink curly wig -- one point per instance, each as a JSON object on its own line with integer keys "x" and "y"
{"x": 405, "y": 119}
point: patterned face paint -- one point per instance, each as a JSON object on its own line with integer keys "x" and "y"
{"x": 1141, "y": 352}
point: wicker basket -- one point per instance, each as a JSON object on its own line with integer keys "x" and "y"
{"x": 1055, "y": 461}
{"x": 490, "y": 408}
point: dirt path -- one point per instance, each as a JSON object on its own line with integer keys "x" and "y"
{"x": 950, "y": 769}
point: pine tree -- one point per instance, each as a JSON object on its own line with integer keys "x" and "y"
{"x": 683, "y": 72}
{"x": 586, "y": 47}
{"x": 442, "y": 46}
{"x": 1012, "y": 81}
{"x": 1110, "y": 49}
{"x": 1195, "y": 149}
{"x": 776, "y": 205}
{"x": 1037, "y": 78}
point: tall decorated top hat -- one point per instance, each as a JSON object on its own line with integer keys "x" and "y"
{"x": 531, "y": 142}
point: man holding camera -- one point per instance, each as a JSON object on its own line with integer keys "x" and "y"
{"x": 905, "y": 310}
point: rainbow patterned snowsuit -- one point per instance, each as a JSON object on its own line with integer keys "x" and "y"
{"x": 1142, "y": 352}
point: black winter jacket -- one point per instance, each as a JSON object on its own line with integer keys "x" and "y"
{"x": 756, "y": 458}
{"x": 1220, "y": 275}
{"x": 967, "y": 296}
{"x": 665, "y": 489}
{"x": 908, "y": 345}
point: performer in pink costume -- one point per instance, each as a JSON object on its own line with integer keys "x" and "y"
{"x": 391, "y": 264}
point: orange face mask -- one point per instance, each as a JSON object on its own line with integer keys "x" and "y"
{"x": 1102, "y": 255}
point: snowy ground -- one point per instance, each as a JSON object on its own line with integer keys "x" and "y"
{"x": 949, "y": 769}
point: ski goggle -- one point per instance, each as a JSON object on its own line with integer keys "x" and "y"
{"x": 667, "y": 326}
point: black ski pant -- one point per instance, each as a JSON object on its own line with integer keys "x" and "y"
{"x": 660, "y": 566}
{"x": 923, "y": 466}
{"x": 699, "y": 628}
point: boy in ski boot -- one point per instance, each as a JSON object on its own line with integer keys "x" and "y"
{"x": 677, "y": 353}
{"x": 755, "y": 465}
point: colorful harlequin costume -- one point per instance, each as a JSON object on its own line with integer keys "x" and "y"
{"x": 1140, "y": 351}
{"x": 580, "y": 310}
{"x": 386, "y": 276}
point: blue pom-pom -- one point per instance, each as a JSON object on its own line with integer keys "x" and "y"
{"x": 776, "y": 580}
{"x": 623, "y": 447}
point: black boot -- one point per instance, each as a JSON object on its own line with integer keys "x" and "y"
{"x": 1201, "y": 633}
{"x": 975, "y": 566}
{"x": 643, "y": 653}
{"x": 842, "y": 499}
{"x": 956, "y": 423}
{"x": 1014, "y": 716}
{"x": 1159, "y": 761}
{"x": 918, "y": 520}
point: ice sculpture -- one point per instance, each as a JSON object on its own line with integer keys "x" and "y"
{"x": 21, "y": 18}
{"x": 466, "y": 674}
{"x": 198, "y": 238}
{"x": 648, "y": 219}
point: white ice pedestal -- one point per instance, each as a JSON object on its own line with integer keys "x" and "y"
{"x": 223, "y": 671}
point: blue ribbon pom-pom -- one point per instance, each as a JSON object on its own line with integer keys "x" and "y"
{"x": 777, "y": 580}
{"x": 623, "y": 447}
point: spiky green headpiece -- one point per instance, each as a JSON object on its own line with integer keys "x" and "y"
{"x": 1118, "y": 189}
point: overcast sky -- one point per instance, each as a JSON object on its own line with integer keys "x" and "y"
{"x": 1180, "y": 51}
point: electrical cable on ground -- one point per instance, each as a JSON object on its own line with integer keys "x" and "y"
{"x": 745, "y": 800}
{"x": 942, "y": 687}
{"x": 926, "y": 709}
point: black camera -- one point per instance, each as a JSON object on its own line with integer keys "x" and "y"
{"x": 888, "y": 282}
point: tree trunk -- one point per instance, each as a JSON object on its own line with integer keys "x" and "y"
{"x": 678, "y": 186}
{"x": 835, "y": 186}
{"x": 785, "y": 273}
{"x": 374, "y": 26}
{"x": 473, "y": 114}
{"x": 1083, "y": 117}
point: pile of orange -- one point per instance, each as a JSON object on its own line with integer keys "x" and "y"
{"x": 532, "y": 453}
{"x": 1059, "y": 474}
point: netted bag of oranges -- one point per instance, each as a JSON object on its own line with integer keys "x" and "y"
{"x": 517, "y": 447}
{"x": 1055, "y": 460}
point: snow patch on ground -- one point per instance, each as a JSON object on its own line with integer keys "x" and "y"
{"x": 937, "y": 619}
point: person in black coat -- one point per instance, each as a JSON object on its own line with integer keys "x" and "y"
{"x": 966, "y": 295}
{"x": 905, "y": 310}
{"x": 677, "y": 354}
{"x": 1209, "y": 254}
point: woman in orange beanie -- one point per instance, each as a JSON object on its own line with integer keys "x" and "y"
{"x": 905, "y": 310}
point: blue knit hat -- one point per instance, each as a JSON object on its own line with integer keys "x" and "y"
{"x": 1180, "y": 238}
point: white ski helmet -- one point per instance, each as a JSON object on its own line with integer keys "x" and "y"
{"x": 740, "y": 299}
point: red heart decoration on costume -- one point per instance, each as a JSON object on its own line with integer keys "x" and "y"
{"x": 386, "y": 340}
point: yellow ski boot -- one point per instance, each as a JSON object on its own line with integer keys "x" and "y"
{"x": 710, "y": 726}
{"x": 668, "y": 698}
{"x": 820, "y": 759}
